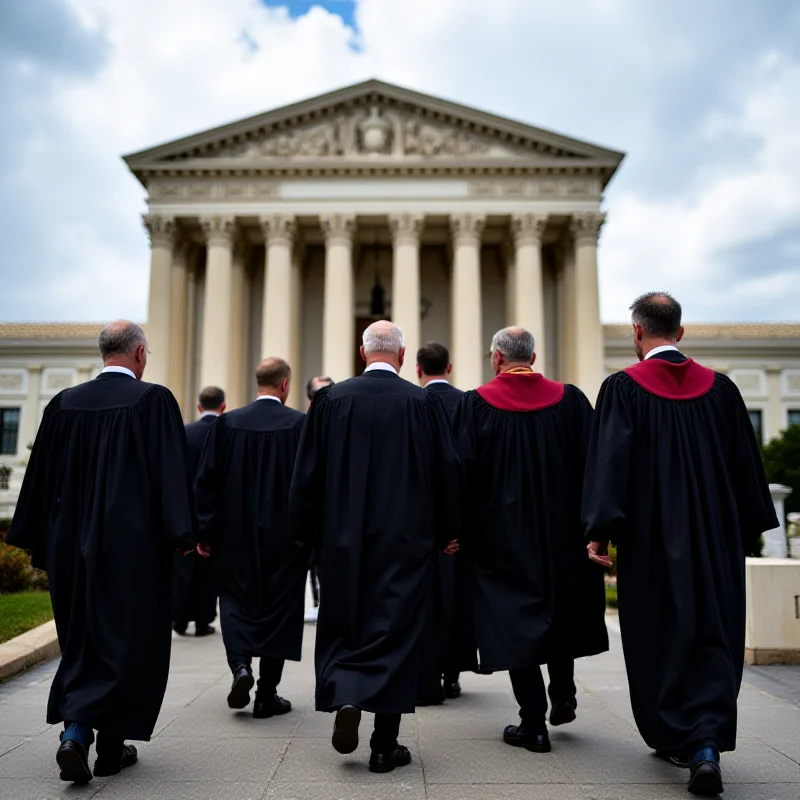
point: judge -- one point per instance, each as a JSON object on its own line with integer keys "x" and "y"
{"x": 104, "y": 502}
{"x": 675, "y": 480}
{"x": 242, "y": 494}
{"x": 522, "y": 439}
{"x": 376, "y": 458}
{"x": 194, "y": 592}
{"x": 441, "y": 672}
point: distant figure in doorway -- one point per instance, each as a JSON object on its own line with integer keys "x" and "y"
{"x": 675, "y": 479}
{"x": 375, "y": 459}
{"x": 534, "y": 597}
{"x": 243, "y": 510}
{"x": 104, "y": 502}
{"x": 447, "y": 652}
{"x": 194, "y": 591}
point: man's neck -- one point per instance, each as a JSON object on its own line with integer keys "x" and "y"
{"x": 517, "y": 367}
{"x": 426, "y": 379}
{"x": 652, "y": 344}
{"x": 383, "y": 358}
{"x": 268, "y": 393}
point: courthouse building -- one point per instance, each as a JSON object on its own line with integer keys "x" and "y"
{"x": 289, "y": 232}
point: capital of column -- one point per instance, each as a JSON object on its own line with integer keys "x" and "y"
{"x": 467, "y": 228}
{"x": 586, "y": 227}
{"x": 528, "y": 228}
{"x": 338, "y": 228}
{"x": 35, "y": 368}
{"x": 406, "y": 228}
{"x": 162, "y": 230}
{"x": 219, "y": 229}
{"x": 278, "y": 229}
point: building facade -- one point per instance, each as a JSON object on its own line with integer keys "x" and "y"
{"x": 287, "y": 233}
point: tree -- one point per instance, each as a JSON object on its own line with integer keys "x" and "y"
{"x": 782, "y": 464}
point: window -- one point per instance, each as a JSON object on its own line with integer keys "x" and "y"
{"x": 794, "y": 416}
{"x": 9, "y": 430}
{"x": 755, "y": 419}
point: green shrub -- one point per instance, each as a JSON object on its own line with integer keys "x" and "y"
{"x": 15, "y": 569}
{"x": 611, "y": 594}
{"x": 782, "y": 464}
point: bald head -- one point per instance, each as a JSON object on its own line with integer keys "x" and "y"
{"x": 273, "y": 375}
{"x": 383, "y": 341}
{"x": 512, "y": 347}
{"x": 658, "y": 313}
{"x": 124, "y": 344}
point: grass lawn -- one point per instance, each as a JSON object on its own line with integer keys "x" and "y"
{"x": 611, "y": 595}
{"x": 23, "y": 611}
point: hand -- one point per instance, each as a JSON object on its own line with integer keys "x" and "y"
{"x": 203, "y": 549}
{"x": 452, "y": 547}
{"x": 598, "y": 552}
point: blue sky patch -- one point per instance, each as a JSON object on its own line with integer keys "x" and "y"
{"x": 297, "y": 8}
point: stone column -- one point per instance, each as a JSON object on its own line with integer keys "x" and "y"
{"x": 568, "y": 312}
{"x": 179, "y": 325}
{"x": 509, "y": 257}
{"x": 84, "y": 372}
{"x": 466, "y": 346}
{"x": 775, "y": 544}
{"x": 29, "y": 423}
{"x": 159, "y": 312}
{"x": 775, "y": 420}
{"x": 276, "y": 323}
{"x": 588, "y": 350}
{"x": 219, "y": 232}
{"x": 235, "y": 390}
{"x": 406, "y": 230}
{"x": 296, "y": 392}
{"x": 528, "y": 287}
{"x": 189, "y": 399}
{"x": 338, "y": 314}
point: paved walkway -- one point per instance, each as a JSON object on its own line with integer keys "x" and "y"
{"x": 204, "y": 751}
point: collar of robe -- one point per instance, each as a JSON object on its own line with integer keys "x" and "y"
{"x": 521, "y": 390}
{"x": 685, "y": 381}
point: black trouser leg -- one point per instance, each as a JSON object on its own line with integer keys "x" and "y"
{"x": 384, "y": 737}
{"x": 450, "y": 670}
{"x": 562, "y": 680}
{"x": 108, "y": 747}
{"x": 270, "y": 674}
{"x": 236, "y": 660}
{"x": 528, "y": 686}
{"x": 312, "y": 574}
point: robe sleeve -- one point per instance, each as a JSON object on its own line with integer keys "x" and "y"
{"x": 753, "y": 501}
{"x": 447, "y": 474}
{"x": 307, "y": 493}
{"x": 464, "y": 429}
{"x": 209, "y": 487}
{"x": 608, "y": 463}
{"x": 30, "y": 516}
{"x": 166, "y": 450}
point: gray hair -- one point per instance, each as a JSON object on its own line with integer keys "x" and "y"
{"x": 121, "y": 338}
{"x": 516, "y": 344}
{"x": 383, "y": 337}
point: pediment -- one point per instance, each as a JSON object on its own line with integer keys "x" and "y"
{"x": 369, "y": 123}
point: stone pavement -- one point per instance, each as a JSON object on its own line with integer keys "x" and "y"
{"x": 204, "y": 751}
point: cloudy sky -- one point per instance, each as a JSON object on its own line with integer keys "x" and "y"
{"x": 703, "y": 96}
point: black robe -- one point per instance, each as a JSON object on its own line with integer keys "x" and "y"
{"x": 194, "y": 591}
{"x": 376, "y": 485}
{"x": 534, "y": 596}
{"x": 242, "y": 493}
{"x": 679, "y": 486}
{"x": 104, "y": 503}
{"x": 447, "y": 648}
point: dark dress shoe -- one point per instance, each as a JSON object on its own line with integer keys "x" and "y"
{"x": 179, "y": 629}
{"x": 562, "y": 713}
{"x": 73, "y": 762}
{"x": 386, "y": 762}
{"x": 345, "y": 730}
{"x": 452, "y": 690}
{"x": 265, "y": 708}
{"x": 706, "y": 779}
{"x": 106, "y": 767}
{"x": 677, "y": 759}
{"x": 204, "y": 630}
{"x": 517, "y": 736}
{"x": 243, "y": 682}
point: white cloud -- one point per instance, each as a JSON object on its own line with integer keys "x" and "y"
{"x": 707, "y": 115}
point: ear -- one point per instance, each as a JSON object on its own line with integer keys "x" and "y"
{"x": 449, "y": 369}
{"x": 680, "y": 334}
{"x": 419, "y": 371}
{"x": 401, "y": 356}
{"x": 222, "y": 408}
{"x": 199, "y": 408}
{"x": 638, "y": 332}
{"x": 363, "y": 354}
{"x": 533, "y": 359}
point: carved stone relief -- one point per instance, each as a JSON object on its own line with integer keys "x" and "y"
{"x": 55, "y": 381}
{"x": 749, "y": 381}
{"x": 565, "y": 187}
{"x": 203, "y": 191}
{"x": 12, "y": 381}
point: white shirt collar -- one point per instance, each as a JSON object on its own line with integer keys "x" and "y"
{"x": 120, "y": 370}
{"x": 380, "y": 365}
{"x": 436, "y": 380}
{"x": 664, "y": 348}
{"x": 268, "y": 397}
{"x": 209, "y": 414}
